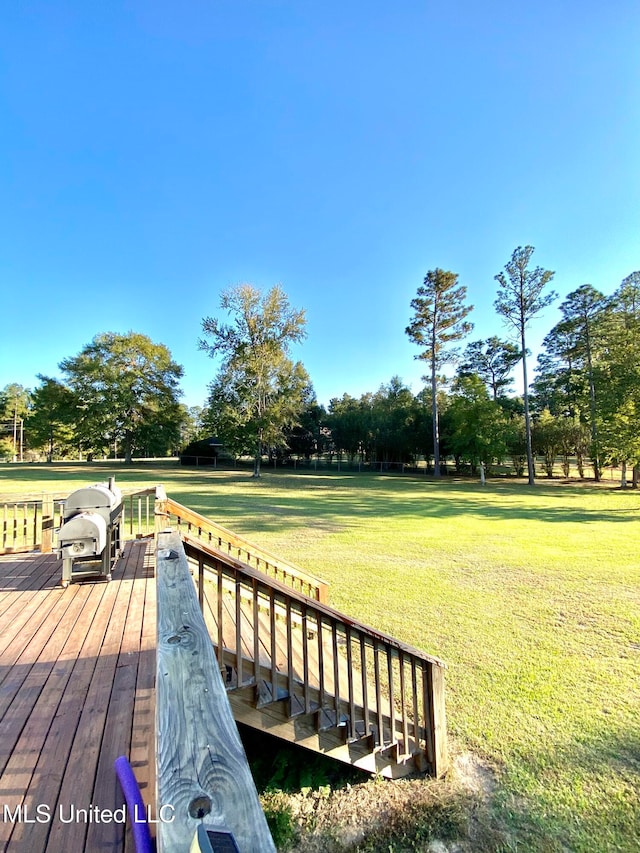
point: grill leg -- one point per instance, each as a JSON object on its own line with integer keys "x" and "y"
{"x": 66, "y": 571}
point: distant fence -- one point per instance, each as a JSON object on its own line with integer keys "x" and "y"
{"x": 422, "y": 467}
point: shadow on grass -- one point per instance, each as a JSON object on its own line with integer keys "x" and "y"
{"x": 346, "y": 500}
{"x": 280, "y": 500}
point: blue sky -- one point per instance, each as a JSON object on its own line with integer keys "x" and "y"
{"x": 153, "y": 153}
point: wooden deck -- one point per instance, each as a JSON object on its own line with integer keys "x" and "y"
{"x": 77, "y": 673}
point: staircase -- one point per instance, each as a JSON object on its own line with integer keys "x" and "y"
{"x": 301, "y": 671}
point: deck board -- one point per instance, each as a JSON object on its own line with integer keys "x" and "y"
{"x": 77, "y": 669}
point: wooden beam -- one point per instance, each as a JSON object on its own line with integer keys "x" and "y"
{"x": 202, "y": 770}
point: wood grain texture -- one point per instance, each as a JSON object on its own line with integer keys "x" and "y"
{"x": 202, "y": 770}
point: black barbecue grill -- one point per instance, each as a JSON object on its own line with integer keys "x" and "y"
{"x": 89, "y": 539}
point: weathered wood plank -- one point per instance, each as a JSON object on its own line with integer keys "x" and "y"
{"x": 80, "y": 769}
{"x": 202, "y": 770}
{"x": 45, "y": 783}
{"x": 142, "y": 752}
{"x": 116, "y": 740}
{"x": 21, "y": 764}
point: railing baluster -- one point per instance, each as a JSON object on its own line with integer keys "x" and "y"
{"x": 403, "y": 705}
{"x": 305, "y": 660}
{"x": 428, "y": 721}
{"x": 365, "y": 684}
{"x": 239, "y": 629}
{"x": 289, "y": 648}
{"x": 201, "y": 584}
{"x": 392, "y": 710}
{"x": 336, "y": 671}
{"x": 220, "y": 568}
{"x": 416, "y": 717}
{"x": 352, "y": 700}
{"x": 256, "y": 630}
{"x": 320, "y": 660}
{"x": 272, "y": 628}
{"x": 376, "y": 663}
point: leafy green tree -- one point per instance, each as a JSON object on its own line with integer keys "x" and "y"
{"x": 546, "y": 439}
{"x": 516, "y": 440}
{"x": 393, "y": 422}
{"x": 583, "y": 313}
{"x": 620, "y": 395}
{"x": 479, "y": 426}
{"x": 520, "y": 297}
{"x": 348, "y": 422}
{"x": 14, "y": 406}
{"x": 126, "y": 392}
{"x": 308, "y": 437}
{"x": 439, "y": 319}
{"x": 51, "y": 421}
{"x": 559, "y": 385}
{"x": 259, "y": 391}
{"x": 493, "y": 361}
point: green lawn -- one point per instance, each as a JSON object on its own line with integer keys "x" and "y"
{"x": 531, "y": 596}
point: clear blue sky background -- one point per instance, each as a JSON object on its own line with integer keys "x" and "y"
{"x": 155, "y": 152}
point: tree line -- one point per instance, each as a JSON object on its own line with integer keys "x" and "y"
{"x": 120, "y": 394}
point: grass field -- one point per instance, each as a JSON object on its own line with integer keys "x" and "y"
{"x": 531, "y": 596}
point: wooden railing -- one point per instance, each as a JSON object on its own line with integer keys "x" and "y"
{"x": 202, "y": 772}
{"x": 180, "y": 518}
{"x": 27, "y": 522}
{"x": 139, "y": 512}
{"x": 291, "y": 646}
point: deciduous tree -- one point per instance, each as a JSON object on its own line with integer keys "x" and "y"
{"x": 258, "y": 391}
{"x": 126, "y": 392}
{"x": 52, "y": 419}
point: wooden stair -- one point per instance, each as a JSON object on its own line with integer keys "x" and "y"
{"x": 299, "y": 670}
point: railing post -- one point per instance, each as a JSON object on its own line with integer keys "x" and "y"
{"x": 47, "y": 524}
{"x": 160, "y": 511}
{"x": 438, "y": 733}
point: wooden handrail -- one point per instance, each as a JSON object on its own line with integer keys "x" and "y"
{"x": 202, "y": 771}
{"x": 390, "y": 692}
{"x": 210, "y": 533}
{"x": 192, "y": 546}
